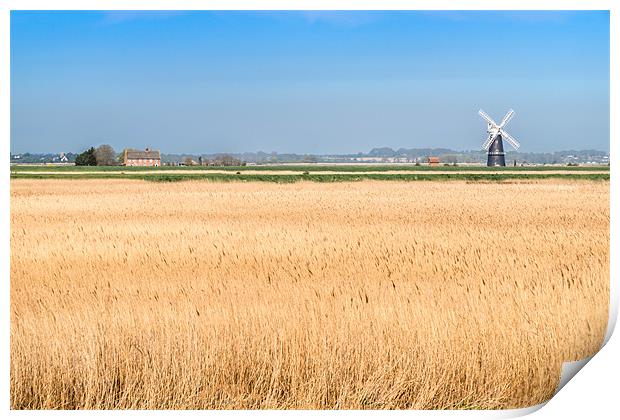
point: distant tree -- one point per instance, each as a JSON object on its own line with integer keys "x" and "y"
{"x": 226, "y": 160}
{"x": 189, "y": 161}
{"x": 310, "y": 159}
{"x": 86, "y": 158}
{"x": 105, "y": 155}
{"x": 449, "y": 158}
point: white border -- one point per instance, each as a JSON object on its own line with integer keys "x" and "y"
{"x": 599, "y": 377}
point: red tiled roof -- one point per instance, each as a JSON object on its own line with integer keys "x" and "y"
{"x": 139, "y": 154}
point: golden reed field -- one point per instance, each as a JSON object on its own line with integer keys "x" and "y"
{"x": 199, "y": 295}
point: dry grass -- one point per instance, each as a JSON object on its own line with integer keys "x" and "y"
{"x": 128, "y": 294}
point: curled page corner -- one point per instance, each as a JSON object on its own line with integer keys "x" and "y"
{"x": 518, "y": 412}
{"x": 569, "y": 370}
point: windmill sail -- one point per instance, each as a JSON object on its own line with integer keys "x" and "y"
{"x": 513, "y": 142}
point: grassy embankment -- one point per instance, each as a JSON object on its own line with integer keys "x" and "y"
{"x": 353, "y": 173}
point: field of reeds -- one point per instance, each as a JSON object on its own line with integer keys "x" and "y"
{"x": 197, "y": 295}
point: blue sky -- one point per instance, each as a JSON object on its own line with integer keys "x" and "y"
{"x": 307, "y": 82}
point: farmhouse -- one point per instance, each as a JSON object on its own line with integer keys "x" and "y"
{"x": 142, "y": 158}
{"x": 433, "y": 161}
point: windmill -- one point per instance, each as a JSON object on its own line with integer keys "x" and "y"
{"x": 496, "y": 133}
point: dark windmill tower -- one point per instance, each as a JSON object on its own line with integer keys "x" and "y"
{"x": 496, "y": 134}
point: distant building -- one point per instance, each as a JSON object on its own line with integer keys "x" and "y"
{"x": 142, "y": 158}
{"x": 433, "y": 161}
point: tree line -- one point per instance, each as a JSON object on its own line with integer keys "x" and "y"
{"x": 219, "y": 160}
{"x": 103, "y": 155}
